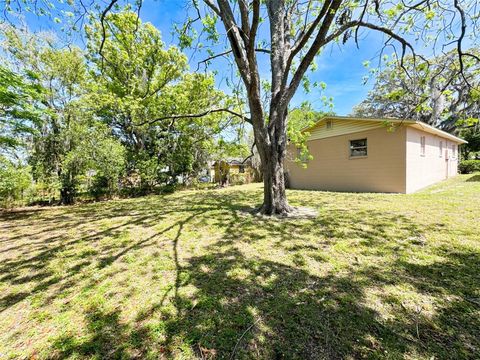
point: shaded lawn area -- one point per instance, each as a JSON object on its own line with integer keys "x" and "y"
{"x": 191, "y": 275}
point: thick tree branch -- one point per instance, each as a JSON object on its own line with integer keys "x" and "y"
{"x": 202, "y": 114}
{"x": 461, "y": 54}
{"x": 266, "y": 51}
{"x": 212, "y": 6}
{"x": 102, "y": 23}
{"x": 252, "y": 154}
{"x": 312, "y": 52}
{"x": 237, "y": 41}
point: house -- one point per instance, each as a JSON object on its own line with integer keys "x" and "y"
{"x": 373, "y": 155}
{"x": 232, "y": 171}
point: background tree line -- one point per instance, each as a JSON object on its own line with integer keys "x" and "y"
{"x": 75, "y": 121}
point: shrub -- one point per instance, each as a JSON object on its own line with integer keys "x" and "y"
{"x": 238, "y": 179}
{"x": 100, "y": 187}
{"x": 469, "y": 166}
{"x": 169, "y": 188}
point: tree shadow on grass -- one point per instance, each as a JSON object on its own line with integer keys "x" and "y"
{"x": 39, "y": 248}
{"x": 231, "y": 303}
{"x": 264, "y": 309}
{"x": 105, "y": 337}
{"x": 474, "y": 178}
{"x": 291, "y": 314}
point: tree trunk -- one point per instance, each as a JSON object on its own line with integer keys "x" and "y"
{"x": 274, "y": 195}
{"x": 273, "y": 156}
{"x": 68, "y": 188}
{"x": 67, "y": 196}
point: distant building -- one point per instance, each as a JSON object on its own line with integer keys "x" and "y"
{"x": 232, "y": 171}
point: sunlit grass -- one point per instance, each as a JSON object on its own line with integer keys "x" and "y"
{"x": 193, "y": 275}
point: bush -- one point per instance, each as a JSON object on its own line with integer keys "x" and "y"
{"x": 99, "y": 187}
{"x": 169, "y": 188}
{"x": 238, "y": 179}
{"x": 469, "y": 166}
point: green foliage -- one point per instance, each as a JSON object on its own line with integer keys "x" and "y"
{"x": 96, "y": 152}
{"x": 472, "y": 135}
{"x": 299, "y": 120}
{"x": 106, "y": 115}
{"x": 435, "y": 92}
{"x": 18, "y": 107}
{"x": 469, "y": 166}
{"x": 138, "y": 84}
{"x": 14, "y": 181}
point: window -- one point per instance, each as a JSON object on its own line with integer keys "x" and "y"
{"x": 358, "y": 147}
{"x": 422, "y": 145}
{"x": 329, "y": 124}
{"x": 440, "y": 147}
{"x": 241, "y": 169}
{"x": 454, "y": 151}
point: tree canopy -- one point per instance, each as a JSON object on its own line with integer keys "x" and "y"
{"x": 433, "y": 91}
{"x": 101, "y": 122}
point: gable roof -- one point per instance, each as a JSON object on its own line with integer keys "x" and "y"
{"x": 235, "y": 161}
{"x": 370, "y": 123}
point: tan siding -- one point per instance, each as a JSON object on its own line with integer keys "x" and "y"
{"x": 342, "y": 127}
{"x": 431, "y": 168}
{"x": 383, "y": 170}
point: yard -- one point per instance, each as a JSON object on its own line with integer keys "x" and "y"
{"x": 193, "y": 275}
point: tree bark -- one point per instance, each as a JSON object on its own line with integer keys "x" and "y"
{"x": 272, "y": 154}
{"x": 274, "y": 195}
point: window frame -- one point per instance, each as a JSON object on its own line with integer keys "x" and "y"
{"x": 328, "y": 124}
{"x": 352, "y": 148}
{"x": 423, "y": 145}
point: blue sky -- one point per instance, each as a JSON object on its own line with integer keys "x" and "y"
{"x": 340, "y": 67}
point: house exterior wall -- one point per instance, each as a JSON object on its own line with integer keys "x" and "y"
{"x": 424, "y": 170}
{"x": 332, "y": 168}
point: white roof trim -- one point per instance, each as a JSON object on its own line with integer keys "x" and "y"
{"x": 433, "y": 130}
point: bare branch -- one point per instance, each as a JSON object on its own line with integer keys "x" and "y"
{"x": 252, "y": 154}
{"x": 461, "y": 54}
{"x": 202, "y": 114}
{"x": 102, "y": 23}
{"x": 213, "y": 57}
{"x": 304, "y": 37}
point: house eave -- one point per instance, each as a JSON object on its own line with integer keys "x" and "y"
{"x": 408, "y": 122}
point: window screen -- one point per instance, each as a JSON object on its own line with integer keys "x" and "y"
{"x": 358, "y": 147}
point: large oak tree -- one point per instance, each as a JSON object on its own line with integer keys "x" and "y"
{"x": 297, "y": 32}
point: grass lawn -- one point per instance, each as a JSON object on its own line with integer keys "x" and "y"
{"x": 192, "y": 275}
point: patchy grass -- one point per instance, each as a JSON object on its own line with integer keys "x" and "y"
{"x": 191, "y": 275}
